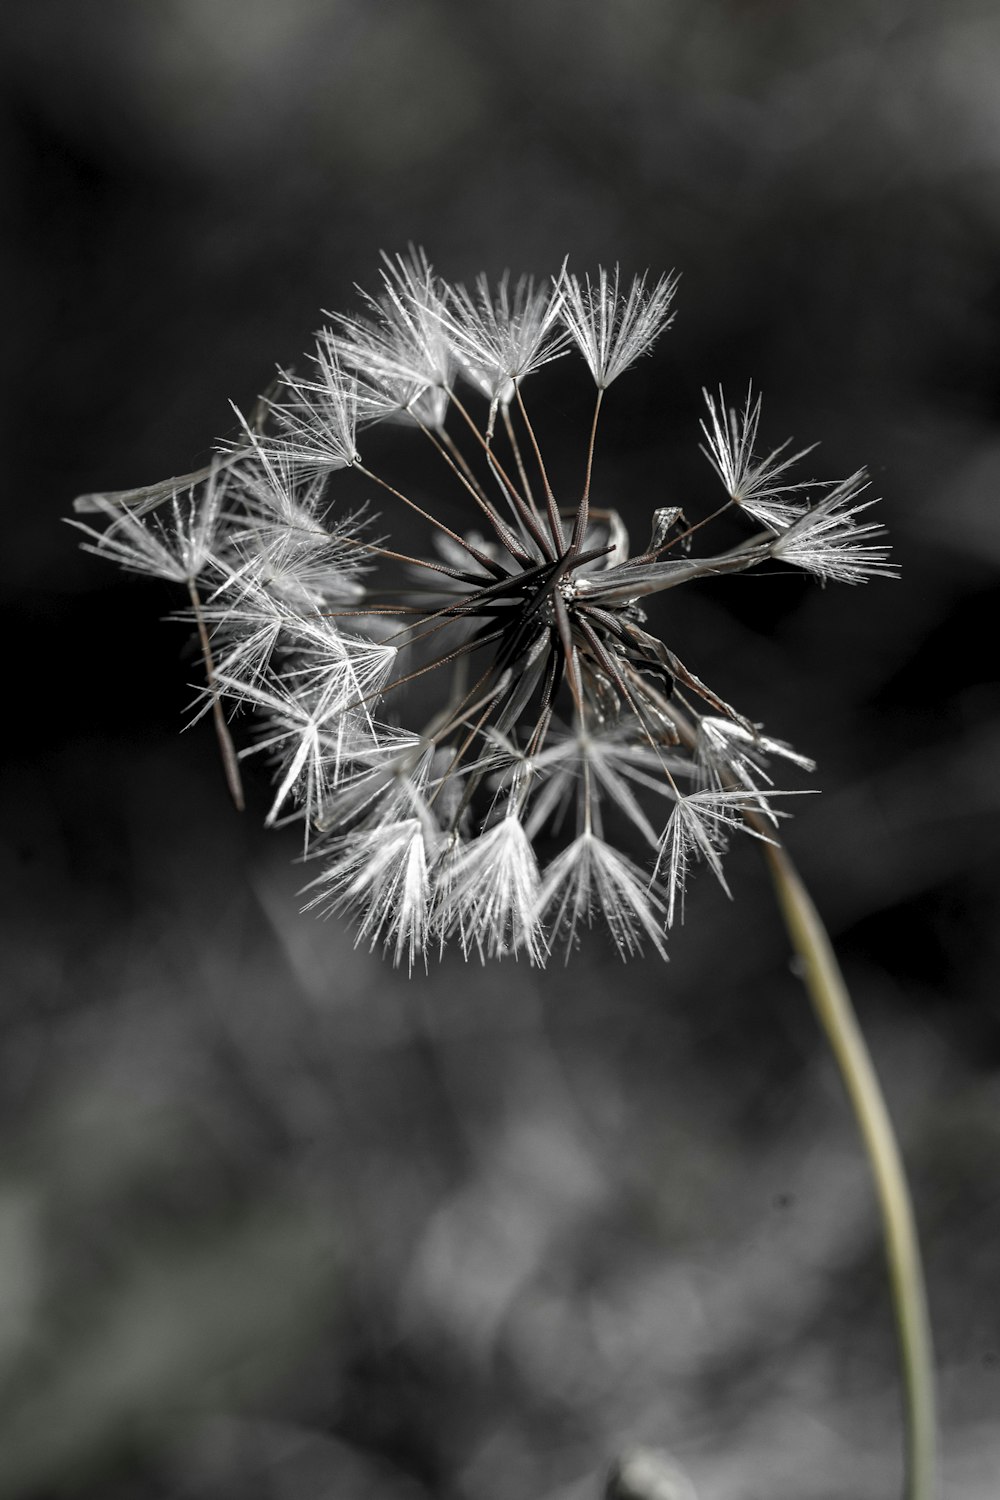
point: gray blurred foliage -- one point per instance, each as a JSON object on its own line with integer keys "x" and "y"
{"x": 275, "y": 1221}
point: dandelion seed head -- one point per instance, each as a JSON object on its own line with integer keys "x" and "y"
{"x": 480, "y": 734}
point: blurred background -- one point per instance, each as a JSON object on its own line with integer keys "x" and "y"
{"x": 275, "y": 1220}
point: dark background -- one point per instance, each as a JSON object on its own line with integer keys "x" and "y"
{"x": 275, "y": 1220}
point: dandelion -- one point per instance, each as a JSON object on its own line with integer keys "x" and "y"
{"x": 500, "y": 336}
{"x": 590, "y": 877}
{"x": 612, "y": 326}
{"x": 383, "y": 871}
{"x": 399, "y": 350}
{"x": 490, "y": 705}
{"x": 490, "y": 897}
{"x": 749, "y": 481}
{"x": 827, "y": 540}
{"x": 465, "y": 705}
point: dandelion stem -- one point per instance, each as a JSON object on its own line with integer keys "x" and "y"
{"x": 478, "y": 494}
{"x": 481, "y": 557}
{"x": 519, "y": 461}
{"x": 583, "y": 514}
{"x": 835, "y": 1012}
{"x": 230, "y": 763}
{"x": 555, "y": 525}
{"x": 447, "y": 441}
{"x": 524, "y": 510}
{"x": 689, "y": 531}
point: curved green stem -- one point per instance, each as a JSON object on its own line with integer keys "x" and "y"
{"x": 833, "y": 1007}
